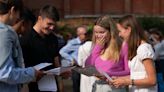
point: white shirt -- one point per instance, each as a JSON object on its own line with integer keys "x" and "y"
{"x": 86, "y": 82}
{"x": 137, "y": 68}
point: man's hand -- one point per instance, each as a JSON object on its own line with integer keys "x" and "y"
{"x": 66, "y": 74}
{"x": 39, "y": 74}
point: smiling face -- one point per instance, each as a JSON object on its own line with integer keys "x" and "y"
{"x": 47, "y": 25}
{"x": 100, "y": 32}
{"x": 123, "y": 32}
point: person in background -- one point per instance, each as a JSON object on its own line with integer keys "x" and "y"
{"x": 83, "y": 53}
{"x": 156, "y": 38}
{"x": 109, "y": 54}
{"x": 40, "y": 45}
{"x": 25, "y": 22}
{"x": 12, "y": 71}
{"x": 140, "y": 55}
{"x": 21, "y": 26}
{"x": 70, "y": 54}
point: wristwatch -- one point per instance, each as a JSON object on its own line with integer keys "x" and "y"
{"x": 132, "y": 81}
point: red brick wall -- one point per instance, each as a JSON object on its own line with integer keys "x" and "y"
{"x": 112, "y": 6}
{"x": 81, "y": 6}
{"x": 162, "y": 7}
{"x": 97, "y": 7}
{"x": 142, "y": 6}
{"x": 35, "y": 5}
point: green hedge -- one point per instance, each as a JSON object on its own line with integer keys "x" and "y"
{"x": 152, "y": 22}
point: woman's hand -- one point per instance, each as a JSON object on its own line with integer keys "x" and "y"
{"x": 120, "y": 82}
{"x": 100, "y": 41}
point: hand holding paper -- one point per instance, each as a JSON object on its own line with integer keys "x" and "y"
{"x": 92, "y": 71}
{"x": 59, "y": 70}
{"x": 42, "y": 65}
{"x": 105, "y": 74}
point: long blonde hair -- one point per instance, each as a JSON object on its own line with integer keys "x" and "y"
{"x": 114, "y": 43}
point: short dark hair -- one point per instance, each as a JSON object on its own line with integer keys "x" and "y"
{"x": 5, "y": 5}
{"x": 49, "y": 11}
{"x": 28, "y": 15}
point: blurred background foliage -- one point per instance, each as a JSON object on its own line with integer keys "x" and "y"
{"x": 67, "y": 27}
{"x": 152, "y": 22}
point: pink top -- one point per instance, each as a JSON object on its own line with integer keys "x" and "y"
{"x": 109, "y": 66}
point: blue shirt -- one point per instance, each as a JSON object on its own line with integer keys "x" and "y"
{"x": 70, "y": 51}
{"x": 12, "y": 72}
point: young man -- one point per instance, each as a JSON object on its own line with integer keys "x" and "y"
{"x": 40, "y": 45}
{"x": 12, "y": 71}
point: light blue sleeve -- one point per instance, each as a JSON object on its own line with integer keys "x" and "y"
{"x": 66, "y": 51}
{"x": 12, "y": 75}
{"x": 9, "y": 73}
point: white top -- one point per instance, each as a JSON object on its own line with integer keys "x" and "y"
{"x": 137, "y": 68}
{"x": 83, "y": 52}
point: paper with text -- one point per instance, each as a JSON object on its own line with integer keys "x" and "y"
{"x": 42, "y": 65}
{"x": 92, "y": 71}
{"x": 105, "y": 74}
{"x": 88, "y": 71}
{"x": 47, "y": 83}
{"x": 59, "y": 70}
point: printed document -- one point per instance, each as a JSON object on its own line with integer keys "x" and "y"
{"x": 59, "y": 70}
{"x": 47, "y": 83}
{"x": 91, "y": 71}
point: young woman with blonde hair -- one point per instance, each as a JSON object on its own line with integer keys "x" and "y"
{"x": 108, "y": 54}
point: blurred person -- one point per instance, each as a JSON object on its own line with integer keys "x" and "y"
{"x": 40, "y": 44}
{"x": 21, "y": 26}
{"x": 25, "y": 22}
{"x": 108, "y": 54}
{"x": 140, "y": 55}
{"x": 61, "y": 43}
{"x": 61, "y": 40}
{"x": 157, "y": 38}
{"x": 70, "y": 54}
{"x": 84, "y": 51}
{"x": 12, "y": 71}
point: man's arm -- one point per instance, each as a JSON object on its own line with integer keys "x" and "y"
{"x": 9, "y": 73}
{"x": 65, "y": 52}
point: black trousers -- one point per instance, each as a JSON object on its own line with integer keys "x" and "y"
{"x": 160, "y": 66}
{"x": 76, "y": 81}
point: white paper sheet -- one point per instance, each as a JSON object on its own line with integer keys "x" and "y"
{"x": 105, "y": 74}
{"x": 42, "y": 65}
{"x": 91, "y": 71}
{"x": 59, "y": 70}
{"x": 47, "y": 83}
